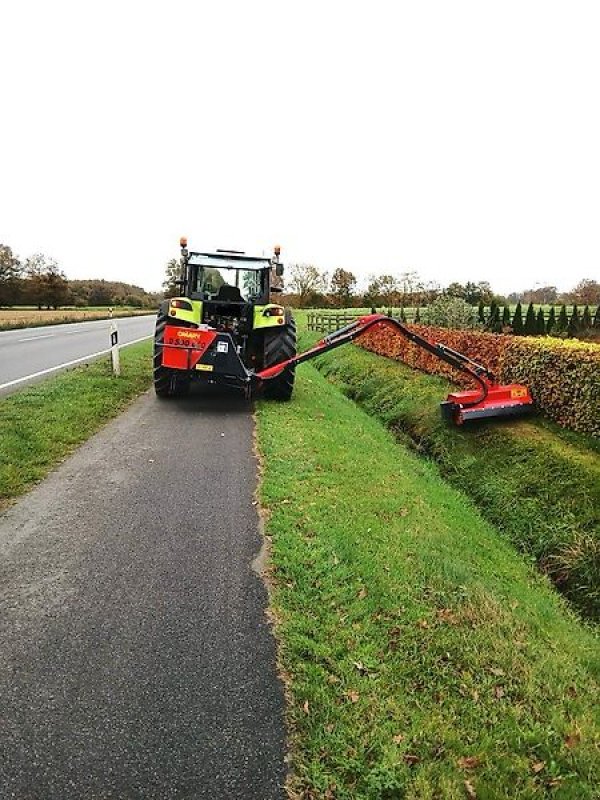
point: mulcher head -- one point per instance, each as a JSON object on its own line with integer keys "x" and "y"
{"x": 509, "y": 400}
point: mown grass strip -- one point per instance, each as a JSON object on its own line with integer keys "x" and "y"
{"x": 536, "y": 482}
{"x": 425, "y": 657}
{"x": 41, "y": 425}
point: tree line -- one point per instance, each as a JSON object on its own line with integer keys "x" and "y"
{"x": 39, "y": 281}
{"x": 308, "y": 286}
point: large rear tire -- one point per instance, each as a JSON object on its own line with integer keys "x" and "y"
{"x": 280, "y": 344}
{"x": 167, "y": 382}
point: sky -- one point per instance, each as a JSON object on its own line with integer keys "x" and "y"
{"x": 457, "y": 139}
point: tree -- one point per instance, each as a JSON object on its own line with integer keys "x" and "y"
{"x": 530, "y": 327}
{"x": 586, "y": 319}
{"x": 388, "y": 290}
{"x": 506, "y": 318}
{"x": 540, "y": 322}
{"x": 10, "y": 276}
{"x": 597, "y": 319}
{"x": 172, "y": 275}
{"x": 35, "y": 288}
{"x": 517, "y": 323}
{"x": 455, "y": 289}
{"x": 481, "y": 313}
{"x": 342, "y": 287}
{"x": 56, "y": 286}
{"x": 307, "y": 281}
{"x": 563, "y": 320}
{"x": 587, "y": 292}
{"x": 574, "y": 323}
{"x": 551, "y": 321}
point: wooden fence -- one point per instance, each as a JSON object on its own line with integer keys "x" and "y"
{"x": 328, "y": 321}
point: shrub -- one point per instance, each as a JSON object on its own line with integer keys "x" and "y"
{"x": 551, "y": 322}
{"x": 450, "y": 312}
{"x": 506, "y": 318}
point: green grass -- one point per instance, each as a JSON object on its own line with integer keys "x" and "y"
{"x": 41, "y": 425}
{"x": 412, "y": 635}
{"x": 536, "y": 482}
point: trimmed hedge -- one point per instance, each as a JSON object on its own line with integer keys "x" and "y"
{"x": 563, "y": 375}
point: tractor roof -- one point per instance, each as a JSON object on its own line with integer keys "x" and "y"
{"x": 229, "y": 259}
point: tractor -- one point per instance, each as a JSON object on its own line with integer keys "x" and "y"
{"x": 223, "y": 328}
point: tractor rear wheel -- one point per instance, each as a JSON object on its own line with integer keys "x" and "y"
{"x": 280, "y": 344}
{"x": 167, "y": 382}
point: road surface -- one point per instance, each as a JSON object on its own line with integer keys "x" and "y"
{"x": 136, "y": 660}
{"x": 30, "y": 353}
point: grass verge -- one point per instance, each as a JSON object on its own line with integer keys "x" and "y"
{"x": 41, "y": 425}
{"x": 537, "y": 483}
{"x": 425, "y": 658}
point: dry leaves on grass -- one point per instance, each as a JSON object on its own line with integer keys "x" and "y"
{"x": 470, "y": 790}
{"x": 353, "y": 696}
{"x": 469, "y": 762}
{"x": 538, "y": 766}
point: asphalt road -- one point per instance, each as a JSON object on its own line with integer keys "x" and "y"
{"x": 136, "y": 660}
{"x": 27, "y": 352}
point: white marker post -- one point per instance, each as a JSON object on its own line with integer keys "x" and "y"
{"x": 114, "y": 348}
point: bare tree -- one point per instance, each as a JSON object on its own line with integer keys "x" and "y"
{"x": 307, "y": 281}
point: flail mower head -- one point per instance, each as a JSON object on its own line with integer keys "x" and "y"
{"x": 490, "y": 400}
{"x": 501, "y": 400}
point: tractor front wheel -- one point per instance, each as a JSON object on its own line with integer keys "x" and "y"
{"x": 280, "y": 344}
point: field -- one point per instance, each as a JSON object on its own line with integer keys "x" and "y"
{"x": 12, "y": 318}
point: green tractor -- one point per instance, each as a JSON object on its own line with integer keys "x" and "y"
{"x": 223, "y": 328}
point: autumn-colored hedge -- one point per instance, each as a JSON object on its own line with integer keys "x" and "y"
{"x": 563, "y": 375}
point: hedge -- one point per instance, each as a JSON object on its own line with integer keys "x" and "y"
{"x": 563, "y": 375}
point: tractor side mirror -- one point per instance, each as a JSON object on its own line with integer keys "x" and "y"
{"x": 279, "y": 270}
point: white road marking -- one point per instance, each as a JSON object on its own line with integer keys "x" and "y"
{"x": 69, "y": 363}
{"x": 31, "y": 338}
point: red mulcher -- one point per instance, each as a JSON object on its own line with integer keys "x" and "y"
{"x": 489, "y": 400}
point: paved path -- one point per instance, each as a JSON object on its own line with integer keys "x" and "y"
{"x": 29, "y": 351}
{"x": 135, "y": 657}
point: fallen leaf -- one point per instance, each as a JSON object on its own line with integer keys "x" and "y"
{"x": 469, "y": 762}
{"x": 360, "y": 667}
{"x": 411, "y": 758}
{"x": 305, "y": 707}
{"x": 475, "y": 695}
{"x": 332, "y": 679}
{"x": 398, "y": 738}
{"x": 362, "y": 594}
{"x": 572, "y": 740}
{"x": 423, "y": 623}
{"x": 353, "y": 696}
{"x": 470, "y": 790}
{"x": 329, "y": 728}
{"x": 498, "y": 692}
{"x": 497, "y": 671}
{"x": 538, "y": 766}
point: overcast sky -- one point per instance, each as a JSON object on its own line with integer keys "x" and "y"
{"x": 458, "y": 139}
